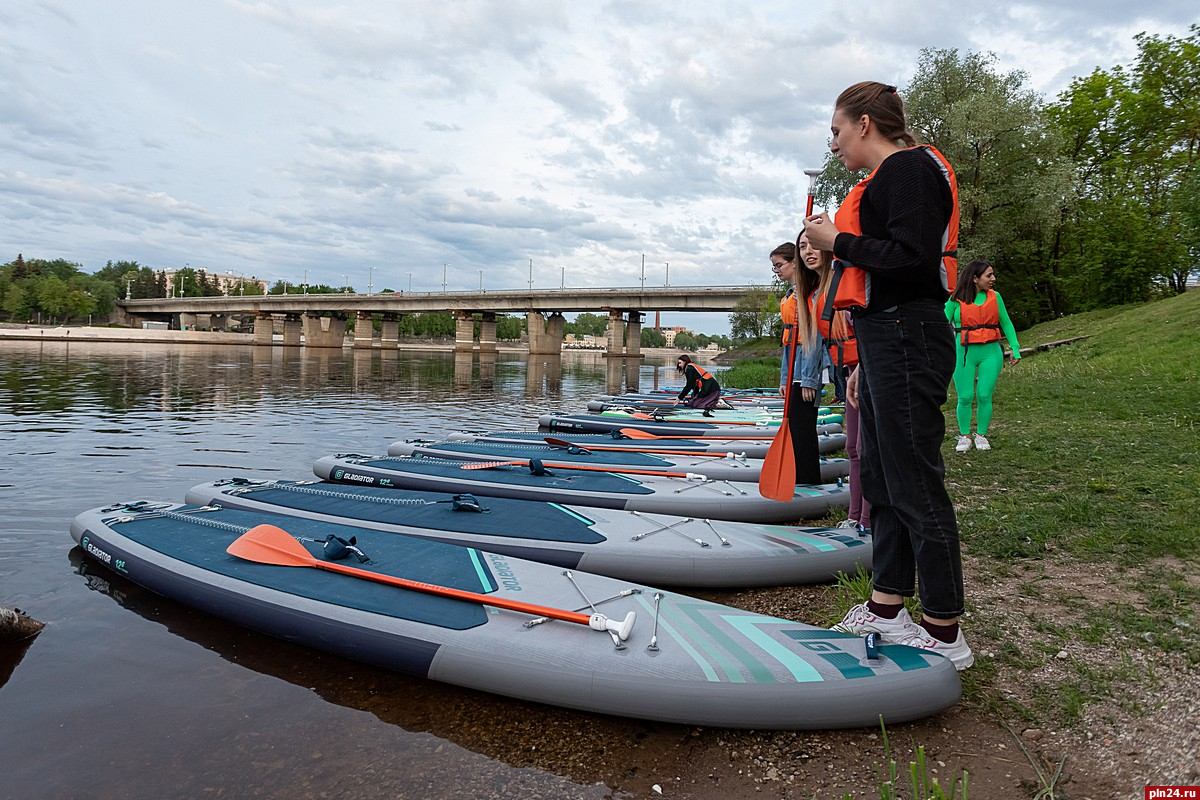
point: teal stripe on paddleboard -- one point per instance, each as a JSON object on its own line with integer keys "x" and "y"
{"x": 758, "y": 670}
{"x": 709, "y": 673}
{"x": 801, "y": 670}
{"x": 485, "y": 575}
{"x": 683, "y": 620}
{"x": 571, "y": 513}
{"x": 815, "y": 541}
{"x": 907, "y": 658}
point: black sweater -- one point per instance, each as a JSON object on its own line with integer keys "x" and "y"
{"x": 904, "y": 212}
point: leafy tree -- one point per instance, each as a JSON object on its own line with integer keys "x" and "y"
{"x": 588, "y": 325}
{"x": 1134, "y": 135}
{"x": 509, "y": 328}
{"x": 14, "y": 303}
{"x": 653, "y": 337}
{"x": 754, "y": 313}
{"x": 52, "y": 296}
{"x": 685, "y": 341}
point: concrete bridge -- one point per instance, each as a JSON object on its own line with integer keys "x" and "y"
{"x": 318, "y": 320}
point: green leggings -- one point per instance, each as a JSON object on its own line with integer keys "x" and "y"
{"x": 987, "y": 360}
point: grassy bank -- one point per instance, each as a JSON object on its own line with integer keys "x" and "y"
{"x": 1080, "y": 546}
{"x": 1089, "y": 502}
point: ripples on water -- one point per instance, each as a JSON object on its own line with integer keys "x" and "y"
{"x": 128, "y": 695}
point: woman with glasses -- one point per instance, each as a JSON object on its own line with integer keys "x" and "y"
{"x": 803, "y": 359}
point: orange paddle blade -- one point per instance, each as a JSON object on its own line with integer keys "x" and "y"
{"x": 268, "y": 544}
{"x": 777, "y": 480}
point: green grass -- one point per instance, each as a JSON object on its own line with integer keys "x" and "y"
{"x": 1095, "y": 473}
{"x": 752, "y": 373}
{"x": 1087, "y": 507}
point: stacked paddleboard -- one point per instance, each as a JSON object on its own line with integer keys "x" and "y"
{"x": 513, "y": 627}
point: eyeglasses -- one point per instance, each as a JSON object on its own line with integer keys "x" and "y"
{"x": 776, "y": 267}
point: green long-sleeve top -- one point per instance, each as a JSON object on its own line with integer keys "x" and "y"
{"x": 1006, "y": 326}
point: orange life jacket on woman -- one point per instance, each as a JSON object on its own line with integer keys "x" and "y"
{"x": 979, "y": 324}
{"x": 838, "y": 334}
{"x": 851, "y": 287}
{"x": 787, "y": 313}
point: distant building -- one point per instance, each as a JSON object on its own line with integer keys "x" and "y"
{"x": 670, "y": 333}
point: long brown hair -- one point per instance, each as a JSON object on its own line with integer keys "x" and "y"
{"x": 880, "y": 102}
{"x": 824, "y": 274}
{"x": 964, "y": 289}
{"x": 806, "y": 283}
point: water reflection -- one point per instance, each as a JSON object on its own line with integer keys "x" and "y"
{"x": 169, "y": 702}
{"x": 520, "y": 734}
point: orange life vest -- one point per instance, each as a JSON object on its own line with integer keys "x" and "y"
{"x": 787, "y": 313}
{"x": 979, "y": 324}
{"x": 704, "y": 375}
{"x": 851, "y": 287}
{"x": 838, "y": 334}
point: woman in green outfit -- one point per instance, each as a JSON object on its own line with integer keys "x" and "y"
{"x": 980, "y": 320}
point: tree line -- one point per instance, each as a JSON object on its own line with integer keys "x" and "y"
{"x": 1087, "y": 201}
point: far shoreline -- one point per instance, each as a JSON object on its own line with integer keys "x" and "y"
{"x": 88, "y": 333}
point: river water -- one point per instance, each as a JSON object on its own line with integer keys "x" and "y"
{"x": 129, "y": 695}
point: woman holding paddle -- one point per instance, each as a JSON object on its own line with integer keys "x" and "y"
{"x": 803, "y": 360}
{"x": 895, "y": 238}
{"x": 838, "y": 335}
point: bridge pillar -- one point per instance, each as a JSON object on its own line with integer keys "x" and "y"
{"x": 389, "y": 337}
{"x": 264, "y": 329}
{"x": 187, "y": 322}
{"x": 487, "y": 333}
{"x": 364, "y": 330}
{"x": 324, "y": 331}
{"x": 545, "y": 334}
{"x": 464, "y": 331}
{"x": 292, "y": 330}
{"x": 616, "y": 335}
{"x": 633, "y": 335}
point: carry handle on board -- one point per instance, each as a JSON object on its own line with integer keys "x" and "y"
{"x": 268, "y": 544}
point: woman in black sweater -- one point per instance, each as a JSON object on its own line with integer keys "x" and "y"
{"x": 894, "y": 235}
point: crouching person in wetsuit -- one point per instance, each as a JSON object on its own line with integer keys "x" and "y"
{"x": 698, "y": 382}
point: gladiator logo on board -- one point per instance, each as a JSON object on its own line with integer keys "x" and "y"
{"x": 102, "y": 556}
{"x": 342, "y": 475}
{"x": 504, "y": 572}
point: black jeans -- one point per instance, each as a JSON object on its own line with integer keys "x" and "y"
{"x": 802, "y": 425}
{"x": 906, "y": 359}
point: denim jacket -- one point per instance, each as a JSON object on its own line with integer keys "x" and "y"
{"x": 809, "y": 361}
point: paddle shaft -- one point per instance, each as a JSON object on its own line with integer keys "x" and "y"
{"x": 550, "y": 440}
{"x": 460, "y": 594}
{"x": 268, "y": 544}
{"x": 638, "y": 433}
{"x": 585, "y": 467}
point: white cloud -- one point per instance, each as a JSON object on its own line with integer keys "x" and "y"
{"x": 276, "y": 136}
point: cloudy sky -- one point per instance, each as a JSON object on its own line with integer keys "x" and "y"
{"x": 392, "y": 141}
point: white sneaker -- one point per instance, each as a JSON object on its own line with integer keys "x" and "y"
{"x": 958, "y": 652}
{"x": 848, "y": 523}
{"x": 860, "y": 621}
{"x": 964, "y": 444}
{"x": 981, "y": 442}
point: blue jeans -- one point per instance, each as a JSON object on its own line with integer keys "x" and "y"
{"x": 906, "y": 358}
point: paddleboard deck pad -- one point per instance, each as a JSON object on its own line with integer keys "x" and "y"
{"x": 658, "y": 549}
{"x": 685, "y": 660}
{"x": 727, "y": 468}
{"x": 610, "y": 421}
{"x": 694, "y": 496}
{"x": 751, "y": 448}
